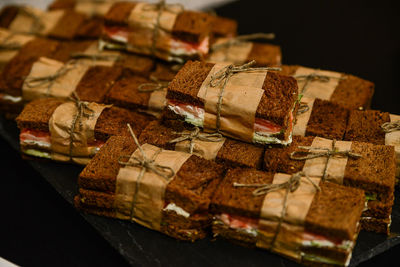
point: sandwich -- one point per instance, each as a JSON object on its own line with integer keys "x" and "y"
{"x": 223, "y": 27}
{"x": 236, "y": 51}
{"x": 229, "y": 152}
{"x": 257, "y": 105}
{"x": 375, "y": 127}
{"x": 14, "y": 72}
{"x": 345, "y": 89}
{"x": 368, "y": 167}
{"x": 177, "y": 35}
{"x": 10, "y": 44}
{"x": 71, "y": 131}
{"x": 176, "y": 205}
{"x": 60, "y": 24}
{"x": 323, "y": 118}
{"x": 317, "y": 224}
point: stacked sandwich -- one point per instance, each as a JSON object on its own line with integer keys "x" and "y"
{"x": 190, "y": 130}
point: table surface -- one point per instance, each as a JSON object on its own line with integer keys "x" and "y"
{"x": 40, "y": 228}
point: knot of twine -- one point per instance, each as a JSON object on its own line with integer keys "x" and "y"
{"x": 315, "y": 77}
{"x": 222, "y": 77}
{"x": 244, "y": 38}
{"x": 37, "y": 24}
{"x": 326, "y": 152}
{"x": 83, "y": 111}
{"x": 196, "y": 135}
{"x": 32, "y": 82}
{"x": 156, "y": 85}
{"x": 95, "y": 57}
{"x": 303, "y": 108}
{"x": 160, "y": 7}
{"x": 291, "y": 185}
{"x": 389, "y": 127}
{"x": 146, "y": 164}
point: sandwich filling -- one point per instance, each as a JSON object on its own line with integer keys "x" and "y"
{"x": 38, "y": 143}
{"x": 174, "y": 46}
{"x": 249, "y": 226}
{"x": 265, "y": 131}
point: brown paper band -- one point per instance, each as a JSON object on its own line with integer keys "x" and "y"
{"x": 10, "y": 43}
{"x": 328, "y": 166}
{"x": 302, "y": 119}
{"x": 240, "y": 94}
{"x": 157, "y": 100}
{"x": 93, "y": 8}
{"x": 283, "y": 213}
{"x": 393, "y": 139}
{"x": 143, "y": 201}
{"x": 232, "y": 54}
{"x": 94, "y": 56}
{"x": 73, "y": 139}
{"x": 203, "y": 145}
{"x": 315, "y": 83}
{"x": 50, "y": 77}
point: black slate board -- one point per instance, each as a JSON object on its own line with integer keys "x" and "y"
{"x": 141, "y": 246}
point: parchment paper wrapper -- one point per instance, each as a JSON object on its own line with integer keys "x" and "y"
{"x": 205, "y": 149}
{"x": 290, "y": 236}
{"x": 157, "y": 102}
{"x": 7, "y": 37}
{"x": 93, "y": 9}
{"x": 62, "y": 87}
{"x": 234, "y": 54}
{"x": 60, "y": 126}
{"x": 24, "y": 23}
{"x": 302, "y": 119}
{"x": 143, "y": 201}
{"x": 336, "y": 164}
{"x": 318, "y": 89}
{"x": 94, "y": 50}
{"x": 241, "y": 97}
{"x": 393, "y": 139}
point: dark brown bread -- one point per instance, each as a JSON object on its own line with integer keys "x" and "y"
{"x": 365, "y": 126}
{"x": 232, "y": 154}
{"x": 224, "y": 27}
{"x": 381, "y": 226}
{"x": 91, "y": 28}
{"x": 135, "y": 64}
{"x": 164, "y": 72}
{"x": 192, "y": 26}
{"x": 96, "y": 83}
{"x": 276, "y": 104}
{"x": 36, "y": 114}
{"x": 119, "y": 13}
{"x": 20, "y": 65}
{"x": 335, "y": 211}
{"x": 62, "y": 4}
{"x": 7, "y": 15}
{"x": 324, "y": 217}
{"x": 265, "y": 54}
{"x": 380, "y": 209}
{"x": 327, "y": 120}
{"x": 65, "y": 49}
{"x": 277, "y": 158}
{"x": 125, "y": 93}
{"x": 190, "y": 189}
{"x": 352, "y": 92}
{"x": 68, "y": 25}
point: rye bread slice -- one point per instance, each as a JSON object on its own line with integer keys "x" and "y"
{"x": 96, "y": 83}
{"x": 191, "y": 188}
{"x": 125, "y": 93}
{"x": 352, "y": 92}
{"x": 327, "y": 120}
{"x": 68, "y": 25}
{"x": 265, "y": 54}
{"x": 326, "y": 213}
{"x": 112, "y": 121}
{"x": 65, "y": 49}
{"x": 7, "y": 15}
{"x": 192, "y": 26}
{"x": 91, "y": 28}
{"x": 62, "y": 4}
{"x": 276, "y": 104}
{"x": 119, "y": 13}
{"x": 374, "y": 172}
{"x": 19, "y": 66}
{"x": 224, "y": 27}
{"x": 135, "y": 64}
{"x": 365, "y": 126}
{"x": 232, "y": 154}
{"x": 381, "y": 226}
{"x": 164, "y": 71}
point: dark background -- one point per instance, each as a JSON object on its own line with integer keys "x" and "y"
{"x": 39, "y": 228}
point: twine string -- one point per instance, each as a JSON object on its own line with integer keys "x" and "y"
{"x": 314, "y": 77}
{"x": 303, "y": 108}
{"x": 222, "y": 77}
{"x": 389, "y": 127}
{"x": 196, "y": 135}
{"x": 243, "y": 38}
{"x": 95, "y": 57}
{"x": 290, "y": 186}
